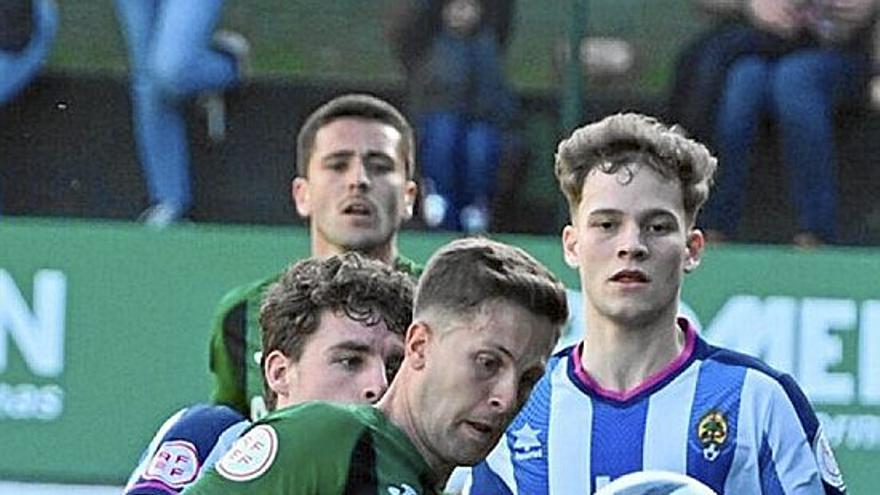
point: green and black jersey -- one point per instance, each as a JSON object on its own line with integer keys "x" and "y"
{"x": 321, "y": 448}
{"x": 236, "y": 344}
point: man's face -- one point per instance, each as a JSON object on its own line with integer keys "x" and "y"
{"x": 478, "y": 372}
{"x": 356, "y": 194}
{"x": 343, "y": 361}
{"x": 631, "y": 242}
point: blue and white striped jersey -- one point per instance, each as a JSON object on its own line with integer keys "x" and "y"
{"x": 724, "y": 418}
{"x": 186, "y": 445}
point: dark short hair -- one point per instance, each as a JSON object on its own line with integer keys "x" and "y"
{"x": 362, "y": 106}
{"x": 626, "y": 139}
{"x": 467, "y": 273}
{"x": 363, "y": 289}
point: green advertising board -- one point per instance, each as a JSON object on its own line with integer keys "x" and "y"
{"x": 104, "y": 330}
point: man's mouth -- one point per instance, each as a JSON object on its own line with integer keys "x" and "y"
{"x": 480, "y": 427}
{"x": 630, "y": 277}
{"x": 357, "y": 208}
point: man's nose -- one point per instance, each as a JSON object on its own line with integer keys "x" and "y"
{"x": 376, "y": 383}
{"x": 632, "y": 243}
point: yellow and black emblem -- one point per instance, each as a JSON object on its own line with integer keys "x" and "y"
{"x": 712, "y": 431}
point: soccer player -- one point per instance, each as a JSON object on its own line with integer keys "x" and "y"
{"x": 486, "y": 316}
{"x": 643, "y": 391}
{"x": 332, "y": 330}
{"x": 355, "y": 168}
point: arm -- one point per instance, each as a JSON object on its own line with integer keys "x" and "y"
{"x": 185, "y": 445}
{"x": 304, "y": 450}
{"x": 802, "y": 459}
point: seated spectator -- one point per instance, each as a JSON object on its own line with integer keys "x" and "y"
{"x": 795, "y": 63}
{"x": 452, "y": 51}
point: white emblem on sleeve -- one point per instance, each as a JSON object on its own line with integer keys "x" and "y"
{"x": 175, "y": 464}
{"x": 251, "y": 455}
{"x": 828, "y": 467}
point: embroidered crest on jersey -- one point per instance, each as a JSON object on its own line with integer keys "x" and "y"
{"x": 175, "y": 464}
{"x": 828, "y": 467}
{"x": 712, "y": 432}
{"x": 251, "y": 455}
{"x": 403, "y": 489}
{"x": 526, "y": 444}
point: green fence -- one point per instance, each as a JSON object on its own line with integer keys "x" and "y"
{"x": 104, "y": 329}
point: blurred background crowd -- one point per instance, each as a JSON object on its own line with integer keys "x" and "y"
{"x": 165, "y": 112}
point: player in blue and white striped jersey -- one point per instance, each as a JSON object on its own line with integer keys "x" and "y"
{"x": 643, "y": 391}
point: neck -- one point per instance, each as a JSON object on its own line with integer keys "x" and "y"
{"x": 620, "y": 356}
{"x": 386, "y": 253}
{"x": 397, "y": 407}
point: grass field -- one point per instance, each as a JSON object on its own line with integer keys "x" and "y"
{"x": 343, "y": 39}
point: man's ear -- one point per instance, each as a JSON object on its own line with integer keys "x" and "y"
{"x": 276, "y": 372}
{"x": 696, "y": 241}
{"x": 570, "y": 246}
{"x": 418, "y": 338}
{"x": 410, "y": 193}
{"x": 299, "y": 191}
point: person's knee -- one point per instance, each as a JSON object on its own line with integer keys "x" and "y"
{"x": 166, "y": 73}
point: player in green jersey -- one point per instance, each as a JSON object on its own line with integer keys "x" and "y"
{"x": 486, "y": 316}
{"x": 355, "y": 170}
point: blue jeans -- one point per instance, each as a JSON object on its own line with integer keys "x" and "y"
{"x": 171, "y": 60}
{"x": 17, "y": 69}
{"x": 459, "y": 159}
{"x": 799, "y": 92}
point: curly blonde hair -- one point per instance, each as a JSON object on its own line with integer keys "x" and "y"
{"x": 623, "y": 140}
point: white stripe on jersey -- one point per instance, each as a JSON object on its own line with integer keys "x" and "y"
{"x": 568, "y": 438}
{"x": 792, "y": 455}
{"x": 667, "y": 423}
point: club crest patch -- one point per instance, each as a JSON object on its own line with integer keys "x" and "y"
{"x": 712, "y": 432}
{"x": 828, "y": 467}
{"x": 251, "y": 455}
{"x": 175, "y": 464}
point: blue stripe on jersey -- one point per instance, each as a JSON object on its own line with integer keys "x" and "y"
{"x": 770, "y": 484}
{"x": 715, "y": 409}
{"x": 617, "y": 440}
{"x": 486, "y": 482}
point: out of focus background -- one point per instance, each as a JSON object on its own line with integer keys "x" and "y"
{"x": 105, "y": 304}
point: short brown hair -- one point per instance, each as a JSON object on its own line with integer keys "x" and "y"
{"x": 624, "y": 139}
{"x": 467, "y": 273}
{"x": 362, "y": 106}
{"x": 363, "y": 289}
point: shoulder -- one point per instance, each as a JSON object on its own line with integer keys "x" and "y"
{"x": 187, "y": 442}
{"x": 767, "y": 387}
{"x": 408, "y": 266}
{"x": 245, "y": 293}
{"x": 314, "y": 424}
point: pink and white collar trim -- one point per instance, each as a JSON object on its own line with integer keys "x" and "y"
{"x": 586, "y": 380}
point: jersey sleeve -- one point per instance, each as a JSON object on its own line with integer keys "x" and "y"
{"x": 305, "y": 452}
{"x": 184, "y": 446}
{"x": 796, "y": 457}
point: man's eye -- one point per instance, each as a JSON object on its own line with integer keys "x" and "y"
{"x": 381, "y": 166}
{"x": 350, "y": 362}
{"x": 603, "y": 224}
{"x": 660, "y": 227}
{"x": 487, "y": 364}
